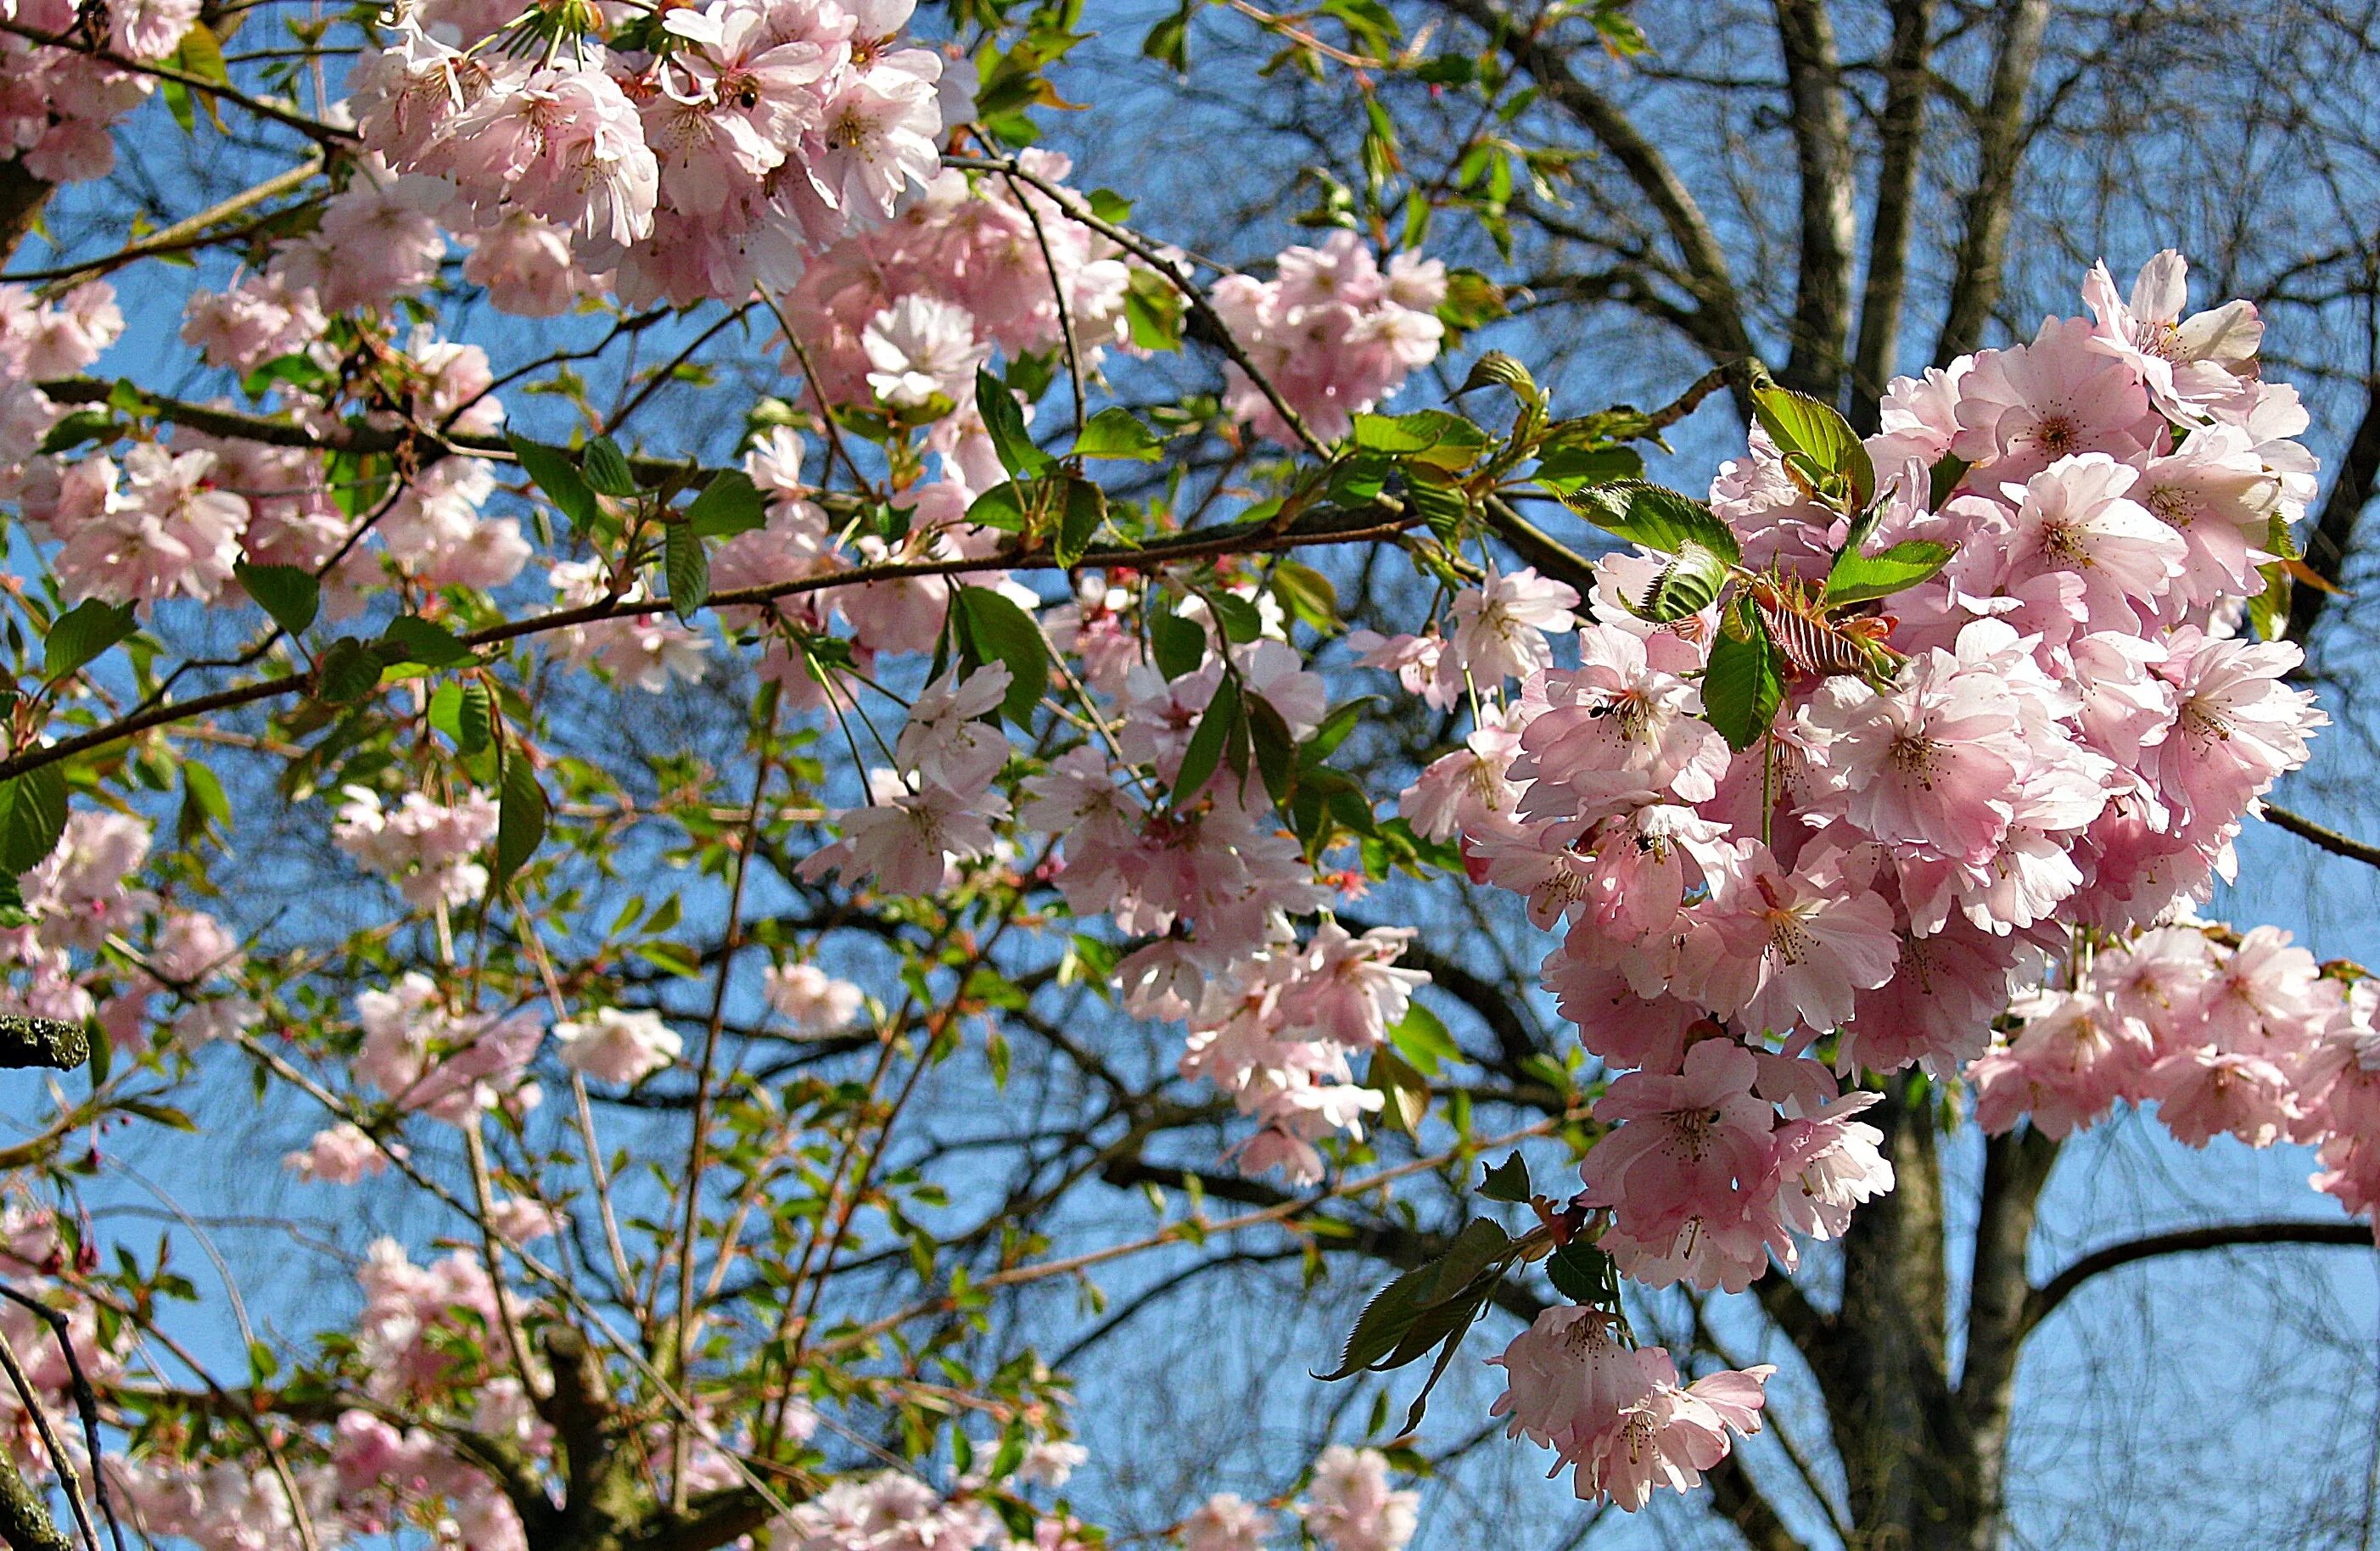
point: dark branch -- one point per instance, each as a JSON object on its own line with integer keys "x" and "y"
{"x": 2046, "y": 1297}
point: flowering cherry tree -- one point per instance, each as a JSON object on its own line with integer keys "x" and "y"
{"x": 1884, "y": 770}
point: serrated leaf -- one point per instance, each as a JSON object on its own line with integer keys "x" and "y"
{"x": 1082, "y": 512}
{"x": 1002, "y": 632}
{"x": 553, "y": 473}
{"x": 1688, "y": 585}
{"x": 730, "y": 504}
{"x": 346, "y": 670}
{"x": 1431, "y": 436}
{"x": 411, "y": 639}
{"x": 1000, "y": 507}
{"x": 1382, "y": 1325}
{"x": 82, "y": 633}
{"x": 1798, "y": 423}
{"x": 1498, "y": 370}
{"x": 1215, "y": 728}
{"x": 1508, "y": 1181}
{"x": 1480, "y": 1246}
{"x": 606, "y": 468}
{"x": 1572, "y": 468}
{"x": 521, "y": 819}
{"x": 1743, "y": 683}
{"x": 1581, "y": 1273}
{"x": 289, "y": 593}
{"x": 1275, "y": 748}
{"x": 687, "y": 565}
{"x": 33, "y": 816}
{"x": 475, "y": 720}
{"x": 1857, "y": 577}
{"x": 1654, "y": 516}
{"x": 1003, "y": 420}
{"x": 1114, "y": 432}
{"x": 1178, "y": 644}
{"x": 1307, "y": 594}
{"x": 1421, "y": 1035}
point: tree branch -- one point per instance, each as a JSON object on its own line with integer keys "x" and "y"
{"x": 1902, "y": 132}
{"x": 1822, "y": 148}
{"x": 1981, "y": 263}
{"x": 2044, "y": 1300}
{"x": 2333, "y": 536}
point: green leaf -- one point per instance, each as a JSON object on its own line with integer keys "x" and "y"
{"x": 1113, "y": 432}
{"x": 83, "y": 425}
{"x": 1240, "y": 619}
{"x": 1478, "y": 1248}
{"x": 33, "y": 816}
{"x": 348, "y": 671}
{"x": 289, "y": 593}
{"x": 1654, "y": 516}
{"x": 1207, "y": 740}
{"x": 687, "y": 565}
{"x": 1000, "y": 507}
{"x": 1858, "y": 578}
{"x": 1003, "y": 419}
{"x": 1687, "y": 584}
{"x": 1431, "y": 436}
{"x": 1508, "y": 1181}
{"x": 1307, "y": 594}
{"x": 204, "y": 803}
{"x": 1583, "y": 1274}
{"x": 521, "y": 819}
{"x": 606, "y": 468}
{"x": 411, "y": 639}
{"x": 1404, "y": 1093}
{"x": 1001, "y": 631}
{"x": 552, "y": 470}
{"x": 1798, "y": 423}
{"x": 82, "y": 633}
{"x": 1744, "y": 682}
{"x": 730, "y": 504}
{"x": 475, "y": 720}
{"x": 1498, "y": 370}
{"x": 1275, "y": 748}
{"x": 1570, "y": 469}
{"x": 1421, "y": 1037}
{"x": 1179, "y": 644}
{"x": 1383, "y": 1323}
{"x": 1083, "y": 510}
{"x": 1334, "y": 728}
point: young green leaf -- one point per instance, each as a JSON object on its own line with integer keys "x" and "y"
{"x": 1215, "y": 728}
{"x": 1004, "y": 421}
{"x": 687, "y": 565}
{"x": 1002, "y": 632}
{"x": 1743, "y": 683}
{"x": 1687, "y": 584}
{"x": 521, "y": 819}
{"x": 82, "y": 633}
{"x": 553, "y": 473}
{"x": 1421, "y": 1037}
{"x": 606, "y": 468}
{"x": 1307, "y": 594}
{"x": 730, "y": 504}
{"x": 1858, "y": 578}
{"x": 1082, "y": 512}
{"x": 289, "y": 593}
{"x": 1179, "y": 644}
{"x": 1508, "y": 1181}
{"x": 33, "y": 816}
{"x": 1113, "y": 432}
{"x": 411, "y": 639}
{"x": 346, "y": 670}
{"x": 1800, "y": 424}
{"x": 1654, "y": 516}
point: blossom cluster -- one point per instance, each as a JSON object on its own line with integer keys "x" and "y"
{"x": 2068, "y": 737}
{"x": 688, "y": 158}
{"x": 1331, "y": 331}
{"x": 2246, "y": 1037}
{"x": 58, "y": 105}
{"x": 1615, "y": 1414}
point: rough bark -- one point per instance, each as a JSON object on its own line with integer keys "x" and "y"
{"x": 1902, "y": 135}
{"x": 1822, "y": 148}
{"x": 2000, "y": 131}
{"x": 2333, "y": 538}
